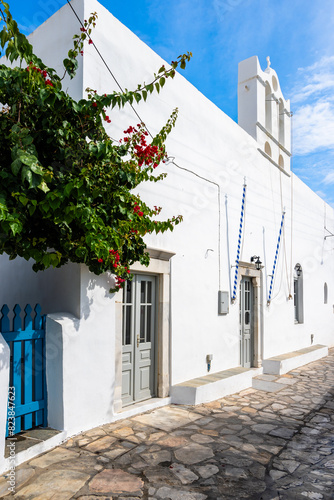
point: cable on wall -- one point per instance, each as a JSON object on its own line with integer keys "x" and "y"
{"x": 228, "y": 245}
{"x": 219, "y": 213}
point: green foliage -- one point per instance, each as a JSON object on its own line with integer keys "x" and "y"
{"x": 66, "y": 189}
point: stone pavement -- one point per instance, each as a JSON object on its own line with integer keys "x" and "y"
{"x": 254, "y": 444}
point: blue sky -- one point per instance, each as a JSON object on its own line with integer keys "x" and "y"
{"x": 297, "y": 35}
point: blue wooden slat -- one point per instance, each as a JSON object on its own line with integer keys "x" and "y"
{"x": 17, "y": 322}
{"x": 25, "y": 335}
{"x": 28, "y": 381}
{"x": 45, "y": 411}
{"x": 4, "y": 321}
{"x": 17, "y": 377}
{"x": 38, "y": 321}
{"x": 38, "y": 379}
{"x": 27, "y": 317}
{"x": 29, "y": 408}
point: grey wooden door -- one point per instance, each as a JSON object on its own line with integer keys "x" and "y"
{"x": 138, "y": 363}
{"x": 246, "y": 321}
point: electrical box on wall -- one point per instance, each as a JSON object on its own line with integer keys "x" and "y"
{"x": 223, "y": 302}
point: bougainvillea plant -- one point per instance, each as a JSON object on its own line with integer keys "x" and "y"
{"x": 66, "y": 188}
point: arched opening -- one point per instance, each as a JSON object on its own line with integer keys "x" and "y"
{"x": 298, "y": 300}
{"x": 281, "y": 122}
{"x": 281, "y": 161}
{"x": 274, "y": 82}
{"x": 267, "y": 149}
{"x": 268, "y": 108}
{"x": 325, "y": 293}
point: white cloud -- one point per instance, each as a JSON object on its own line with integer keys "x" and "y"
{"x": 329, "y": 178}
{"x": 313, "y": 99}
{"x": 313, "y": 127}
{"x": 315, "y": 80}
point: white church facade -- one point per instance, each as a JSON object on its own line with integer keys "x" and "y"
{"x": 246, "y": 277}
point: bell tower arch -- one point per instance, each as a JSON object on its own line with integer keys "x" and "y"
{"x": 263, "y": 111}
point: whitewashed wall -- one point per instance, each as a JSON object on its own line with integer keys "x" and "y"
{"x": 80, "y": 359}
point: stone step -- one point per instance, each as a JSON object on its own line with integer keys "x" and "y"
{"x": 271, "y": 383}
{"x": 213, "y": 386}
{"x": 278, "y": 365}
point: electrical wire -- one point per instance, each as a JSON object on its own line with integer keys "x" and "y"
{"x": 174, "y": 163}
{"x": 219, "y": 214}
{"x": 107, "y": 66}
{"x": 292, "y": 208}
{"x": 283, "y": 232}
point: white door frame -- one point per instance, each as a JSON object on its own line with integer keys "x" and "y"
{"x": 249, "y": 271}
{"x": 159, "y": 266}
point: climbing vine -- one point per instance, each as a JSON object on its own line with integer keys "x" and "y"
{"x": 66, "y": 188}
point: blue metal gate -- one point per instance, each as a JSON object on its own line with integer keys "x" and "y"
{"x": 27, "y": 401}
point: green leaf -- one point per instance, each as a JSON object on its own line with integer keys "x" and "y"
{"x": 16, "y": 166}
{"x": 137, "y": 96}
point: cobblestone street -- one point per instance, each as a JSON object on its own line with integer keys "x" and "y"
{"x": 254, "y": 444}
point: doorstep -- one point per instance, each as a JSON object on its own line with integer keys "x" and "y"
{"x": 214, "y": 386}
{"x": 29, "y": 444}
{"x": 278, "y": 365}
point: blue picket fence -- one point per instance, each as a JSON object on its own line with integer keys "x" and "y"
{"x": 27, "y": 404}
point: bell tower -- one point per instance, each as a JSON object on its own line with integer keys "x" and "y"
{"x": 263, "y": 112}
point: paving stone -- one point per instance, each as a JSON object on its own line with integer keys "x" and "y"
{"x": 93, "y": 497}
{"x": 283, "y": 432}
{"x": 52, "y": 457}
{"x": 174, "y": 441}
{"x": 116, "y": 481}
{"x": 193, "y": 453}
{"x": 277, "y": 474}
{"x": 63, "y": 483}
{"x": 263, "y": 428}
{"x": 84, "y": 441}
{"x": 123, "y": 432}
{"x": 207, "y": 471}
{"x": 95, "y": 433}
{"x": 167, "y": 418}
{"x": 201, "y": 438}
{"x": 100, "y": 444}
{"x": 185, "y": 475}
{"x": 114, "y": 453}
{"x": 171, "y": 494}
{"x": 155, "y": 458}
{"x": 21, "y": 477}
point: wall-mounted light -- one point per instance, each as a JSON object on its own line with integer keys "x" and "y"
{"x": 257, "y": 262}
{"x": 209, "y": 358}
{"x": 298, "y": 269}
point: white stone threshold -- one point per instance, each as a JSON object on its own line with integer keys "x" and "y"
{"x": 214, "y": 386}
{"x": 278, "y": 365}
{"x": 33, "y": 451}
